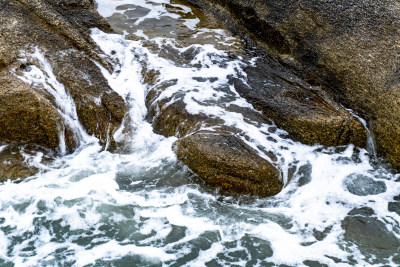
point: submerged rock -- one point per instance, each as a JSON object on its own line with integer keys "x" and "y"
{"x": 350, "y": 48}
{"x": 369, "y": 234}
{"x": 362, "y": 185}
{"x": 13, "y": 165}
{"x": 60, "y": 32}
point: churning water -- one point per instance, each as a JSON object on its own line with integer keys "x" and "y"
{"x": 340, "y": 206}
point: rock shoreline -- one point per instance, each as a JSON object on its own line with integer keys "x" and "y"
{"x": 298, "y": 84}
{"x": 349, "y": 48}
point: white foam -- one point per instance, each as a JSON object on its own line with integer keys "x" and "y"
{"x": 113, "y": 249}
{"x": 42, "y": 75}
{"x": 91, "y": 188}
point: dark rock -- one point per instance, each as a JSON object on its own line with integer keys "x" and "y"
{"x": 370, "y": 235}
{"x": 364, "y": 211}
{"x": 362, "y": 185}
{"x": 394, "y": 207}
{"x": 258, "y": 248}
{"x": 314, "y": 264}
{"x": 309, "y": 114}
{"x": 349, "y": 47}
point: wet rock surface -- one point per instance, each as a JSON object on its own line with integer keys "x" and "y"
{"x": 59, "y": 30}
{"x": 26, "y": 116}
{"x": 369, "y": 234}
{"x": 350, "y": 48}
{"x": 225, "y": 161}
{"x": 13, "y": 165}
{"x": 309, "y": 114}
{"x": 362, "y": 185}
{"x": 215, "y": 152}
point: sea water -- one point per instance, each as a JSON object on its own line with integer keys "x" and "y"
{"x": 145, "y": 208}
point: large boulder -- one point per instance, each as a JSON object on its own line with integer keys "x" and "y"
{"x": 26, "y": 116}
{"x": 349, "y": 47}
{"x": 53, "y": 37}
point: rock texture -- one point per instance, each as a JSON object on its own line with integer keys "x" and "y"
{"x": 350, "y": 48}
{"x": 225, "y": 161}
{"x": 309, "y": 114}
{"x": 220, "y": 156}
{"x": 60, "y": 31}
{"x": 361, "y": 227}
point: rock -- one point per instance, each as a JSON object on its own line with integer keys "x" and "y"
{"x": 26, "y": 117}
{"x": 13, "y": 165}
{"x": 394, "y": 207}
{"x": 225, "y": 161}
{"x": 60, "y": 31}
{"x": 308, "y": 113}
{"x": 350, "y": 48}
{"x": 362, "y": 185}
{"x": 370, "y": 235}
{"x": 219, "y": 157}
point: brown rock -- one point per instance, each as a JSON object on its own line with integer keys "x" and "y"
{"x": 27, "y": 117}
{"x": 60, "y": 31}
{"x": 13, "y": 165}
{"x": 225, "y": 161}
{"x": 309, "y": 114}
{"x": 220, "y": 158}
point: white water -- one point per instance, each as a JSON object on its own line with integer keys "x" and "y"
{"x": 94, "y": 207}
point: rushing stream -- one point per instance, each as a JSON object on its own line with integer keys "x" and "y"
{"x": 340, "y": 206}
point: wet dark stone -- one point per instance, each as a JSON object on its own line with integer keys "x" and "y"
{"x": 60, "y": 30}
{"x": 177, "y": 233}
{"x": 346, "y": 47}
{"x": 306, "y": 112}
{"x": 130, "y": 260}
{"x": 314, "y": 264}
{"x": 364, "y": 211}
{"x": 370, "y": 235}
{"x": 5, "y": 263}
{"x": 257, "y": 247}
{"x": 305, "y": 174}
{"x": 362, "y": 185}
{"x": 320, "y": 235}
{"x": 394, "y": 207}
{"x": 201, "y": 243}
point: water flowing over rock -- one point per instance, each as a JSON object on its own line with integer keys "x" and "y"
{"x": 50, "y": 42}
{"x": 350, "y": 48}
{"x": 309, "y": 114}
{"x": 215, "y": 152}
